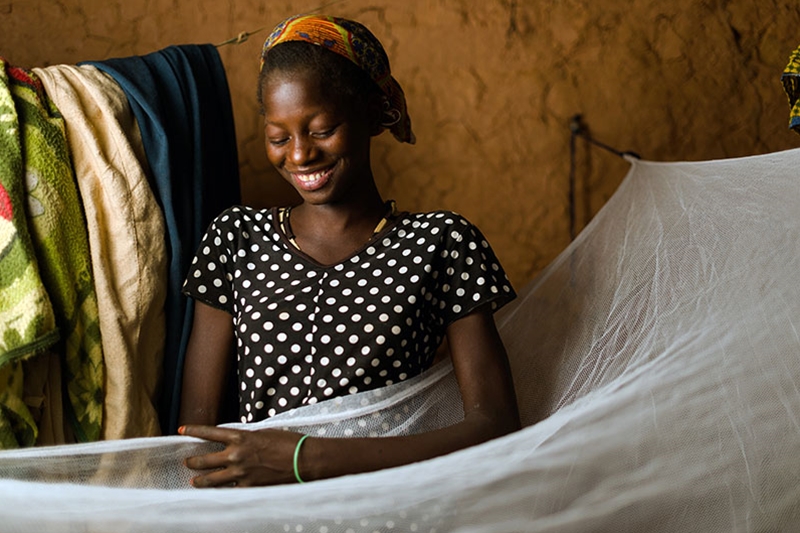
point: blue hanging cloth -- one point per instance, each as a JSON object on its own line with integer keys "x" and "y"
{"x": 181, "y": 101}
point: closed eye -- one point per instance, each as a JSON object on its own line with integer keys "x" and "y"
{"x": 278, "y": 142}
{"x": 324, "y": 134}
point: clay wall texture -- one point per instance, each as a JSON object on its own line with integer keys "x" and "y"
{"x": 491, "y": 86}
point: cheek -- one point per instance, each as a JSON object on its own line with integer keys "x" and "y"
{"x": 274, "y": 154}
{"x": 348, "y": 145}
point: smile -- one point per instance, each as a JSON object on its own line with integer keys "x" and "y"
{"x": 310, "y": 181}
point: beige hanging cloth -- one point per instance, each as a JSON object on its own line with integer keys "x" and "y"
{"x": 126, "y": 237}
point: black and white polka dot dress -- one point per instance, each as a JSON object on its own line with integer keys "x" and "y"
{"x": 307, "y": 332}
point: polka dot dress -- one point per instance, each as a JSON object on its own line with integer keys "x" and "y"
{"x": 308, "y": 332}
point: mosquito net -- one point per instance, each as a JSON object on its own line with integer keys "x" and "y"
{"x": 657, "y": 365}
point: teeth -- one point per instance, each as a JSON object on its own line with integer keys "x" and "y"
{"x": 311, "y": 177}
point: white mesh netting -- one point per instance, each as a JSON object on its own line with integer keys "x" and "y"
{"x": 657, "y": 365}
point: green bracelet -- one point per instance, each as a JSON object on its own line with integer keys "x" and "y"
{"x": 297, "y": 456}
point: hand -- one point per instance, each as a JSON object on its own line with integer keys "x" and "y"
{"x": 250, "y": 458}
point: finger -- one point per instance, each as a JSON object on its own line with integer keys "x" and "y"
{"x": 212, "y": 433}
{"x": 218, "y": 478}
{"x": 208, "y": 461}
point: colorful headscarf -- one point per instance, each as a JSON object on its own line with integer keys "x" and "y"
{"x": 791, "y": 84}
{"x": 355, "y": 42}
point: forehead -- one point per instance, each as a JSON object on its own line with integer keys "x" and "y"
{"x": 287, "y": 92}
{"x": 300, "y": 94}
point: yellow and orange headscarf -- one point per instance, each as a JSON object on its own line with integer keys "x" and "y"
{"x": 355, "y": 42}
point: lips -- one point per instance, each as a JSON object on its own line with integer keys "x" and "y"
{"x": 311, "y": 181}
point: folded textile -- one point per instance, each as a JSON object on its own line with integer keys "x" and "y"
{"x": 58, "y": 233}
{"x": 126, "y": 237}
{"x": 27, "y": 321}
{"x": 791, "y": 84}
{"x": 181, "y": 101}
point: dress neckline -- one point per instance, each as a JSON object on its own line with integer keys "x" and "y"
{"x": 280, "y": 221}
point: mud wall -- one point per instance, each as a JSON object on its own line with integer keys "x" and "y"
{"x": 492, "y": 86}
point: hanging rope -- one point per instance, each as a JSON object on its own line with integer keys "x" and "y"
{"x": 578, "y": 129}
{"x": 243, "y": 36}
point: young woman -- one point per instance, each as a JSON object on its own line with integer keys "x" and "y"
{"x": 342, "y": 293}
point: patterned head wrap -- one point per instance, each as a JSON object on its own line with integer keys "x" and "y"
{"x": 791, "y": 84}
{"x": 355, "y": 42}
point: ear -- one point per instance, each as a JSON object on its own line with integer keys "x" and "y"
{"x": 375, "y": 109}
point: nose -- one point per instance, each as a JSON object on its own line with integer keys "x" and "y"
{"x": 302, "y": 150}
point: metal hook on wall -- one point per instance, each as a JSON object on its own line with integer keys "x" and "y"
{"x": 577, "y": 129}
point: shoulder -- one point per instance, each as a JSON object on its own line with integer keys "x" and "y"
{"x": 242, "y": 221}
{"x": 237, "y": 214}
{"x": 447, "y": 224}
{"x": 238, "y": 227}
{"x": 440, "y": 219}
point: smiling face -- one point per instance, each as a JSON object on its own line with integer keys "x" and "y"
{"x": 319, "y": 143}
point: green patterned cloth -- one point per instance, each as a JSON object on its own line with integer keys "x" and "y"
{"x": 791, "y": 84}
{"x": 17, "y": 426}
{"x": 59, "y": 236}
{"x": 27, "y": 321}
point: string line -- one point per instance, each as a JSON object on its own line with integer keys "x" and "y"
{"x": 578, "y": 129}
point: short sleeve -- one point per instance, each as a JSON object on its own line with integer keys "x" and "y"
{"x": 469, "y": 275}
{"x": 209, "y": 279}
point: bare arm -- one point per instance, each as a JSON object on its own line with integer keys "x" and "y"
{"x": 209, "y": 359}
{"x": 265, "y": 457}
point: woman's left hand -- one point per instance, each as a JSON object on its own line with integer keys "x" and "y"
{"x": 250, "y": 458}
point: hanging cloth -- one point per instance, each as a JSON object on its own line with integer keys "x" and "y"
{"x": 27, "y": 321}
{"x": 126, "y": 237}
{"x": 58, "y": 232}
{"x": 791, "y": 84}
{"x": 181, "y": 101}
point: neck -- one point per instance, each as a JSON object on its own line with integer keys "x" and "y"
{"x": 355, "y": 213}
{"x": 328, "y": 235}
